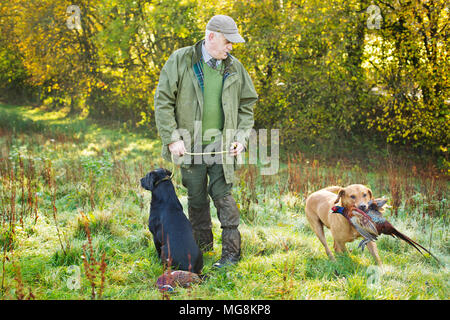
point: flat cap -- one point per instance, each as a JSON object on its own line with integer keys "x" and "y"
{"x": 227, "y": 26}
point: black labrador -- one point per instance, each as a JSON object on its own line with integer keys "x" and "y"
{"x": 172, "y": 231}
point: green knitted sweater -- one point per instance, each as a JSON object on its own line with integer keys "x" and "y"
{"x": 212, "y": 100}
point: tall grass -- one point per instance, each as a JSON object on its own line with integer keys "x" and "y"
{"x": 76, "y": 201}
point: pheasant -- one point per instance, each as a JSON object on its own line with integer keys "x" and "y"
{"x": 371, "y": 224}
{"x": 169, "y": 279}
{"x": 362, "y": 223}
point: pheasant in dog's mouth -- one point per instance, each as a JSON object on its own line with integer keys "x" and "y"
{"x": 371, "y": 224}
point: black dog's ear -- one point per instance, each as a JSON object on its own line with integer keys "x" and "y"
{"x": 169, "y": 173}
{"x": 148, "y": 182}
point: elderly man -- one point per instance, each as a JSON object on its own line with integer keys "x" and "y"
{"x": 204, "y": 84}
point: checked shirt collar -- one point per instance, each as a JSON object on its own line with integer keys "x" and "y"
{"x": 213, "y": 63}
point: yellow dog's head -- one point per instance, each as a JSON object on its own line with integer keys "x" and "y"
{"x": 355, "y": 195}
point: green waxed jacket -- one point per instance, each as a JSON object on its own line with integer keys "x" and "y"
{"x": 179, "y": 103}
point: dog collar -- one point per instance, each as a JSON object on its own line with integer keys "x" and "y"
{"x": 163, "y": 179}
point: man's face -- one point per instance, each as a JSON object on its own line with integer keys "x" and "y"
{"x": 219, "y": 46}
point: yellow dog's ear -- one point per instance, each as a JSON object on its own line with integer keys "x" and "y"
{"x": 340, "y": 194}
{"x": 370, "y": 192}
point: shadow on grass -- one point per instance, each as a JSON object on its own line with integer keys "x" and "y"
{"x": 60, "y": 125}
{"x": 13, "y": 121}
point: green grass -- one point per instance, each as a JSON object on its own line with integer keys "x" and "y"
{"x": 96, "y": 170}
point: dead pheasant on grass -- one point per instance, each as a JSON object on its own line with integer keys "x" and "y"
{"x": 171, "y": 279}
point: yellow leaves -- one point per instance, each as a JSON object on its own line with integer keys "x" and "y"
{"x": 183, "y": 32}
{"x": 405, "y": 134}
{"x": 101, "y": 85}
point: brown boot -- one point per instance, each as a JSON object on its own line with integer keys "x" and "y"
{"x": 228, "y": 215}
{"x": 231, "y": 248}
{"x": 201, "y": 227}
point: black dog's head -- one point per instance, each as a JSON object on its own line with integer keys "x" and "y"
{"x": 152, "y": 179}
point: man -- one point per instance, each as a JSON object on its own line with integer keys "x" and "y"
{"x": 204, "y": 84}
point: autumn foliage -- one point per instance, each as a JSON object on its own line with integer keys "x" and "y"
{"x": 323, "y": 70}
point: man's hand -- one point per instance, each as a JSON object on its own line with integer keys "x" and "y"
{"x": 236, "y": 148}
{"x": 177, "y": 148}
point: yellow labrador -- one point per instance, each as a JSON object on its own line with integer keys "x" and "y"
{"x": 318, "y": 212}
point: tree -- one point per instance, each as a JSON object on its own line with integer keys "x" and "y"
{"x": 411, "y": 66}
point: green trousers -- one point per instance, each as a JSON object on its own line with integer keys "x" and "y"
{"x": 195, "y": 179}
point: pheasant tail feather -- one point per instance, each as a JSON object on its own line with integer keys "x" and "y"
{"x": 405, "y": 238}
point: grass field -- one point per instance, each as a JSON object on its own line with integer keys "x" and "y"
{"x": 55, "y": 169}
